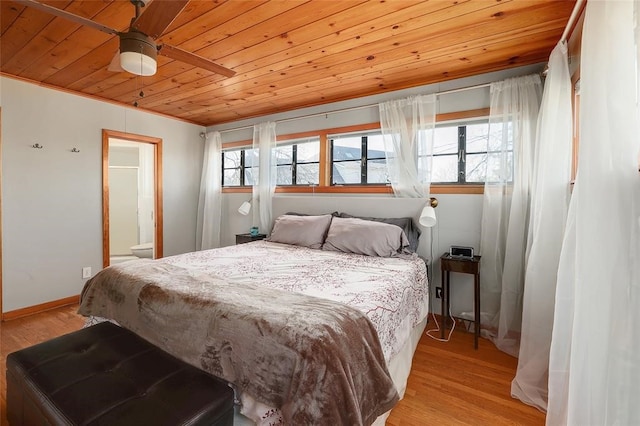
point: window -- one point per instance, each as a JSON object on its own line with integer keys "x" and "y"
{"x": 358, "y": 159}
{"x": 297, "y": 163}
{"x": 463, "y": 153}
{"x": 232, "y": 167}
{"x": 239, "y": 167}
{"x": 352, "y": 159}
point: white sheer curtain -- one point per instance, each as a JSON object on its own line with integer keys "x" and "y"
{"x": 264, "y": 141}
{"x": 210, "y": 201}
{"x": 549, "y": 204}
{"x": 408, "y": 127}
{"x": 505, "y": 216}
{"x": 594, "y": 365}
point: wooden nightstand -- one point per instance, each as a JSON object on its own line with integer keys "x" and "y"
{"x": 247, "y": 238}
{"x": 462, "y": 265}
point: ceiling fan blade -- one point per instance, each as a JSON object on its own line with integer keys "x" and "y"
{"x": 66, "y": 15}
{"x": 193, "y": 59}
{"x": 157, "y": 17}
{"x": 114, "y": 65}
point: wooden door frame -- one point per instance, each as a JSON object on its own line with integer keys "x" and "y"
{"x": 1, "y": 273}
{"x": 157, "y": 144}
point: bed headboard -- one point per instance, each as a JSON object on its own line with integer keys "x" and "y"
{"x": 357, "y": 206}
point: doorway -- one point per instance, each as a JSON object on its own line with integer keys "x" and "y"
{"x": 1, "y": 303}
{"x": 131, "y": 197}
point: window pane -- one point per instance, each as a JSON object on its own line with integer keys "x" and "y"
{"x": 445, "y": 168}
{"x": 308, "y": 174}
{"x": 347, "y": 148}
{"x": 309, "y": 152}
{"x": 284, "y": 175}
{"x": 231, "y": 159}
{"x": 377, "y": 171}
{"x": 249, "y": 174}
{"x": 445, "y": 140}
{"x": 424, "y": 165}
{"x": 424, "y": 141}
{"x": 477, "y": 135}
{"x": 495, "y": 164}
{"x": 346, "y": 172}
{"x": 284, "y": 155}
{"x": 250, "y": 157}
{"x": 496, "y": 131}
{"x": 232, "y": 177}
{"x": 375, "y": 146}
{"x": 476, "y": 167}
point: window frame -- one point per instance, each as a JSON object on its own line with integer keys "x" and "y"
{"x": 575, "y": 86}
{"x": 242, "y": 167}
{"x": 324, "y": 163}
{"x": 364, "y": 158}
{"x": 462, "y": 152}
{"x": 294, "y": 160}
{"x": 243, "y": 148}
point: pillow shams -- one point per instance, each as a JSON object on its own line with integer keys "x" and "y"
{"x": 406, "y": 223}
{"x": 370, "y": 238}
{"x": 306, "y": 231}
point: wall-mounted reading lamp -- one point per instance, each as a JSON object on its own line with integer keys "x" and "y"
{"x": 428, "y": 215}
{"x": 244, "y": 208}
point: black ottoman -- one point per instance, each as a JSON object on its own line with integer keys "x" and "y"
{"x": 106, "y": 375}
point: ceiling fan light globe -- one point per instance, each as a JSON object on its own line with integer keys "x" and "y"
{"x": 138, "y": 53}
{"x": 138, "y": 63}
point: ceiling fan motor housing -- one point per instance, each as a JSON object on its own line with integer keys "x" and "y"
{"x": 138, "y": 53}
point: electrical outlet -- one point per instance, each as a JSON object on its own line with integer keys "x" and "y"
{"x": 438, "y": 292}
{"x": 86, "y": 272}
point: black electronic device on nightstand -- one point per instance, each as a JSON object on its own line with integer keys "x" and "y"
{"x": 247, "y": 238}
{"x": 461, "y": 251}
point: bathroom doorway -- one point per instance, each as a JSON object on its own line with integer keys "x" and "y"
{"x": 132, "y": 196}
{"x": 1, "y": 305}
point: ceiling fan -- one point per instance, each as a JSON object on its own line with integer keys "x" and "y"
{"x": 138, "y": 47}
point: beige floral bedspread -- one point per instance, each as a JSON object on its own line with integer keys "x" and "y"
{"x": 391, "y": 292}
{"x": 319, "y": 361}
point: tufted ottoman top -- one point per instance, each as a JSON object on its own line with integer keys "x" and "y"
{"x": 107, "y": 375}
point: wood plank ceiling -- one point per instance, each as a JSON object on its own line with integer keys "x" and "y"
{"x": 287, "y": 54}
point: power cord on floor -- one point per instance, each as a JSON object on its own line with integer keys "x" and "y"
{"x": 429, "y": 278}
{"x": 437, "y": 329}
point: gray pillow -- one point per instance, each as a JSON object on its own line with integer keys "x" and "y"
{"x": 406, "y": 223}
{"x": 366, "y": 237}
{"x": 307, "y": 214}
{"x": 306, "y": 231}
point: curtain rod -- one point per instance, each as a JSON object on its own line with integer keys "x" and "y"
{"x": 318, "y": 114}
{"x": 572, "y": 20}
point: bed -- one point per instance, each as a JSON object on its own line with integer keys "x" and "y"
{"x": 308, "y": 330}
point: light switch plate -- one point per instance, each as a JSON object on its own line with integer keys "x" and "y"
{"x": 86, "y": 272}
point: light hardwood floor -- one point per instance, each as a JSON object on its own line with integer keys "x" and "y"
{"x": 450, "y": 383}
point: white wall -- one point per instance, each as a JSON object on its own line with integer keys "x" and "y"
{"x": 52, "y": 198}
{"x": 459, "y": 216}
